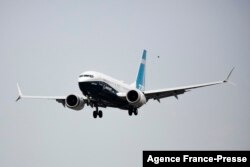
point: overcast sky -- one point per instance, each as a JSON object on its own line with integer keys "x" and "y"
{"x": 45, "y": 45}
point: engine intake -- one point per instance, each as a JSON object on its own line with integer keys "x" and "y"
{"x": 136, "y": 98}
{"x": 74, "y": 102}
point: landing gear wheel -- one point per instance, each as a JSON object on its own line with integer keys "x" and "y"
{"x": 95, "y": 114}
{"x": 130, "y": 112}
{"x": 100, "y": 114}
{"x": 136, "y": 112}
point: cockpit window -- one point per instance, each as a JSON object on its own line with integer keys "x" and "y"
{"x": 86, "y": 75}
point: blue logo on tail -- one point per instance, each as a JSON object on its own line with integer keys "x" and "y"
{"x": 140, "y": 80}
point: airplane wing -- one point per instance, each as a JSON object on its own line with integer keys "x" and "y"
{"x": 59, "y": 99}
{"x": 162, "y": 93}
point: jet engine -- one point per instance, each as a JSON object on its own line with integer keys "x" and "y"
{"x": 136, "y": 98}
{"x": 74, "y": 102}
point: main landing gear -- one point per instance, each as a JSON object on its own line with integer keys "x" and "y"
{"x": 132, "y": 111}
{"x": 97, "y": 113}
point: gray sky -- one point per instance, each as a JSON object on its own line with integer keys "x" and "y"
{"x": 45, "y": 45}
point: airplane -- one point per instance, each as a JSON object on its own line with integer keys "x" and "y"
{"x": 100, "y": 90}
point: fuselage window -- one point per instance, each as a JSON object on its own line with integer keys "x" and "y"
{"x": 88, "y": 76}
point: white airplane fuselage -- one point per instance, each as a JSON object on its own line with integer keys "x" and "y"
{"x": 104, "y": 89}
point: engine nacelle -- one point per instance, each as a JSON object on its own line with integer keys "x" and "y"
{"x": 74, "y": 102}
{"x": 136, "y": 98}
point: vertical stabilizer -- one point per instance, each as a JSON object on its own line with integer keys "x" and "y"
{"x": 140, "y": 79}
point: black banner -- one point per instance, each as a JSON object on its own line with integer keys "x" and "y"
{"x": 196, "y": 158}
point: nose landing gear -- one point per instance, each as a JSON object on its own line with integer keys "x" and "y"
{"x": 97, "y": 113}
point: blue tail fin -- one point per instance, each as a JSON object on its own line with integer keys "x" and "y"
{"x": 140, "y": 80}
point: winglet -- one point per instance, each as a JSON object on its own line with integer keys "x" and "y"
{"x": 227, "y": 79}
{"x": 20, "y": 95}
